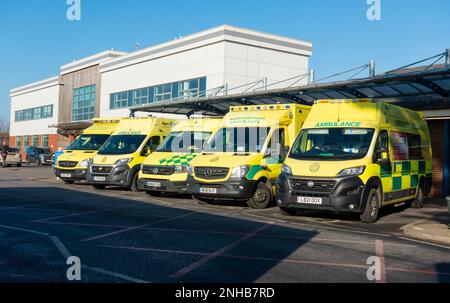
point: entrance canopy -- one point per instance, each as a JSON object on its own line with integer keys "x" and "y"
{"x": 421, "y": 88}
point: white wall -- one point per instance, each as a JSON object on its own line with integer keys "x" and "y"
{"x": 204, "y": 61}
{"x": 36, "y": 98}
{"x": 222, "y": 63}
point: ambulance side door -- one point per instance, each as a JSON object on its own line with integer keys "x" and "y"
{"x": 274, "y": 155}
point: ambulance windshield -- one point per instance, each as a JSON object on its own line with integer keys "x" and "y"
{"x": 332, "y": 144}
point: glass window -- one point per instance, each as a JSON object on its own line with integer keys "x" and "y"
{"x": 152, "y": 144}
{"x": 140, "y": 96}
{"x": 121, "y": 144}
{"x": 83, "y": 104}
{"x": 276, "y": 144}
{"x": 88, "y": 142}
{"x": 37, "y": 113}
{"x": 239, "y": 140}
{"x": 44, "y": 141}
{"x": 26, "y": 141}
{"x": 415, "y": 147}
{"x": 19, "y": 142}
{"x": 332, "y": 144}
{"x": 35, "y": 140}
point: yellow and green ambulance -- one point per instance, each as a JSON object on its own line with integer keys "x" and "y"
{"x": 72, "y": 164}
{"x": 165, "y": 170}
{"x": 118, "y": 161}
{"x": 356, "y": 156}
{"x": 244, "y": 159}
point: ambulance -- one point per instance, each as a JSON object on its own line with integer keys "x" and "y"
{"x": 165, "y": 170}
{"x": 244, "y": 159}
{"x": 356, "y": 156}
{"x": 71, "y": 165}
{"x": 118, "y": 161}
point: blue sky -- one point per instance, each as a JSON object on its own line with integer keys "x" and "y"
{"x": 37, "y": 38}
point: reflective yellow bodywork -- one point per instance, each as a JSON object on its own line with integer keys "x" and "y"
{"x": 261, "y": 165}
{"x": 173, "y": 159}
{"x": 101, "y": 126}
{"x": 402, "y": 176}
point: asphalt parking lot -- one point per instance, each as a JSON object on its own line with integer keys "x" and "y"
{"x": 121, "y": 236}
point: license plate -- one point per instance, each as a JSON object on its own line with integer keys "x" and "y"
{"x": 309, "y": 200}
{"x": 101, "y": 179}
{"x": 208, "y": 190}
{"x": 153, "y": 184}
{"x": 66, "y": 176}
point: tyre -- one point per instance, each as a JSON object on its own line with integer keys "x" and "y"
{"x": 202, "y": 201}
{"x": 372, "y": 209}
{"x": 261, "y": 197}
{"x": 68, "y": 182}
{"x": 99, "y": 186}
{"x": 287, "y": 211}
{"x": 153, "y": 193}
{"x": 134, "y": 183}
{"x": 420, "y": 198}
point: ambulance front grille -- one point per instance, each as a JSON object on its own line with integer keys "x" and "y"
{"x": 312, "y": 186}
{"x": 158, "y": 170}
{"x": 211, "y": 173}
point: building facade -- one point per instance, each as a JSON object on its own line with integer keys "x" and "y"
{"x": 221, "y": 60}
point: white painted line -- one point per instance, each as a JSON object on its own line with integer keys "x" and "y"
{"x": 136, "y": 227}
{"x": 61, "y": 247}
{"x": 379, "y": 250}
{"x": 25, "y": 230}
{"x": 423, "y": 242}
{"x": 114, "y": 274}
{"x": 217, "y": 253}
{"x": 83, "y": 213}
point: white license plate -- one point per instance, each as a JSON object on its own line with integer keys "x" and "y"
{"x": 153, "y": 184}
{"x": 309, "y": 200}
{"x": 208, "y": 190}
{"x": 66, "y": 176}
{"x": 101, "y": 179}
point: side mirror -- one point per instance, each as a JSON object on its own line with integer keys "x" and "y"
{"x": 146, "y": 152}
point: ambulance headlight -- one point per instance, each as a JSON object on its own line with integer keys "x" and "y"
{"x": 85, "y": 163}
{"x": 286, "y": 169}
{"x": 123, "y": 161}
{"x": 240, "y": 171}
{"x": 180, "y": 169}
{"x": 354, "y": 171}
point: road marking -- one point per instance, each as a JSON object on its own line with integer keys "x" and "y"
{"x": 423, "y": 242}
{"x": 218, "y": 253}
{"x": 61, "y": 247}
{"x": 25, "y": 230}
{"x": 294, "y": 261}
{"x": 83, "y": 213}
{"x": 136, "y": 227}
{"x": 66, "y": 254}
{"x": 114, "y": 274}
{"x": 379, "y": 250}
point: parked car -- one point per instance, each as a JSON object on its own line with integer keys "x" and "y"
{"x": 38, "y": 155}
{"x": 13, "y": 157}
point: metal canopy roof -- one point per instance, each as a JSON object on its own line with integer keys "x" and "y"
{"x": 418, "y": 88}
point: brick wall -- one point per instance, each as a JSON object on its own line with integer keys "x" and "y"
{"x": 437, "y": 143}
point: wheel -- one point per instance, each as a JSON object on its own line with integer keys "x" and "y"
{"x": 68, "y": 182}
{"x": 99, "y": 186}
{"x": 261, "y": 197}
{"x": 287, "y": 211}
{"x": 372, "y": 209}
{"x": 153, "y": 193}
{"x": 202, "y": 201}
{"x": 134, "y": 183}
{"x": 420, "y": 198}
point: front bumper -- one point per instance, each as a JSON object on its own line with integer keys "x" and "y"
{"x": 166, "y": 185}
{"x": 71, "y": 174}
{"x": 344, "y": 197}
{"x": 119, "y": 176}
{"x": 240, "y": 189}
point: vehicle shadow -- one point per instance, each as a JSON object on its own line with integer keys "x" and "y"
{"x": 147, "y": 241}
